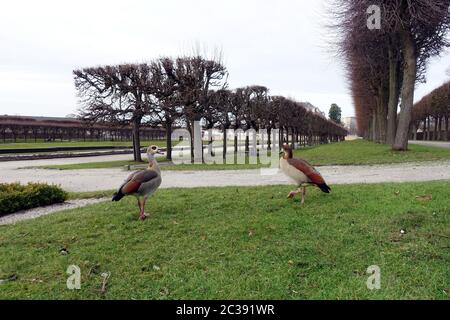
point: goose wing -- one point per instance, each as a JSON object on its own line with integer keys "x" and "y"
{"x": 135, "y": 180}
{"x": 308, "y": 170}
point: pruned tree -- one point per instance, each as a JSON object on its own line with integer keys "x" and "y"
{"x": 222, "y": 102}
{"x": 168, "y": 105}
{"x": 411, "y": 32}
{"x": 433, "y": 110}
{"x": 115, "y": 94}
{"x": 195, "y": 77}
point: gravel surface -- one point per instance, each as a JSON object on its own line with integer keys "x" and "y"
{"x": 42, "y": 211}
{"x": 438, "y": 144}
{"x": 105, "y": 179}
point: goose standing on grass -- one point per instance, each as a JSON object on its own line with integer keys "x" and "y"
{"x": 301, "y": 172}
{"x": 143, "y": 183}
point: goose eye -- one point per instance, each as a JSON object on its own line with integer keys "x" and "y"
{"x": 154, "y": 148}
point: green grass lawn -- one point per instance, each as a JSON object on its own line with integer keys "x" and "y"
{"x": 161, "y": 160}
{"x": 95, "y": 165}
{"x": 56, "y": 144}
{"x": 239, "y": 242}
{"x": 356, "y": 152}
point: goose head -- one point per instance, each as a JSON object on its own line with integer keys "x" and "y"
{"x": 286, "y": 151}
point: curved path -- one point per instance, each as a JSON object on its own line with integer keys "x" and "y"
{"x": 42, "y": 211}
{"x": 438, "y": 144}
{"x": 105, "y": 179}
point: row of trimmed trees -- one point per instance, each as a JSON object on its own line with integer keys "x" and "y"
{"x": 386, "y": 45}
{"x": 432, "y": 113}
{"x": 177, "y": 92}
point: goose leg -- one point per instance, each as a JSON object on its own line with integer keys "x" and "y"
{"x": 293, "y": 193}
{"x": 303, "y": 194}
{"x": 142, "y": 215}
{"x": 140, "y": 207}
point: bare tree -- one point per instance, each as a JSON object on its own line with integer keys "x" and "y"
{"x": 412, "y": 32}
{"x": 195, "y": 77}
{"x": 115, "y": 94}
{"x": 168, "y": 102}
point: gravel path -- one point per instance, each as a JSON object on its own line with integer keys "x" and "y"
{"x": 438, "y": 144}
{"x": 42, "y": 211}
{"x": 104, "y": 179}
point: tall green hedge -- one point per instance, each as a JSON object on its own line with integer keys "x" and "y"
{"x": 15, "y": 196}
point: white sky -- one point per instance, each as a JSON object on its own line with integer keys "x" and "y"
{"x": 282, "y": 45}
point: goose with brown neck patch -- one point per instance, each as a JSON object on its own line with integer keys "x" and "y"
{"x": 142, "y": 184}
{"x": 301, "y": 172}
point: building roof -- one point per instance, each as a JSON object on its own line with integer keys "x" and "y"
{"x": 59, "y": 122}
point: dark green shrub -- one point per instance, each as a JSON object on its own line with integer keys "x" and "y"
{"x": 15, "y": 196}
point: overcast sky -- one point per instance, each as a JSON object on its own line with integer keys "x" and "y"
{"x": 280, "y": 44}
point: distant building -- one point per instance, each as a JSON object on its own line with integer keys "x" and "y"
{"x": 52, "y": 128}
{"x": 350, "y": 124}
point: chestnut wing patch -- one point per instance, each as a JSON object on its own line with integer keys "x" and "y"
{"x": 137, "y": 180}
{"x": 308, "y": 170}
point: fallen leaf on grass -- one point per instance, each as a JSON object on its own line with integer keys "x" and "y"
{"x": 105, "y": 276}
{"x": 34, "y": 280}
{"x": 427, "y": 197}
{"x": 164, "y": 291}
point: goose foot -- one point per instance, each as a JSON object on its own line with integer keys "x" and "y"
{"x": 291, "y": 194}
{"x": 142, "y": 217}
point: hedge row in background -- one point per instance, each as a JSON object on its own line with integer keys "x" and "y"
{"x": 15, "y": 196}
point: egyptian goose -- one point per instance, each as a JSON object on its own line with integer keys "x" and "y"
{"x": 301, "y": 172}
{"x": 143, "y": 183}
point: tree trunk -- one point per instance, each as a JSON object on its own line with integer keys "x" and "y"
{"x": 382, "y": 115}
{"x": 210, "y": 141}
{"x": 447, "y": 133}
{"x": 407, "y": 92}
{"x": 224, "y": 141}
{"x": 190, "y": 125}
{"x": 247, "y": 142}
{"x": 136, "y": 140}
{"x": 393, "y": 97}
{"x": 439, "y": 127}
{"x": 374, "y": 127}
{"x": 415, "y": 131}
{"x": 169, "y": 140}
{"x": 435, "y": 128}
